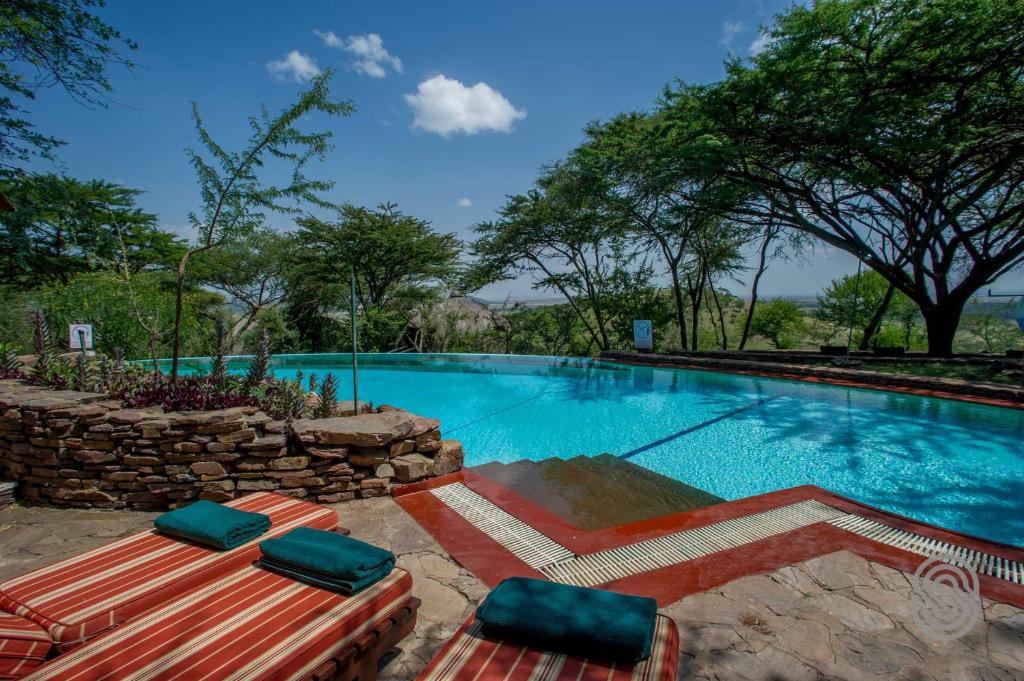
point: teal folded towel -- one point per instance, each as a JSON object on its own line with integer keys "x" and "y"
{"x": 570, "y": 619}
{"x": 345, "y": 586}
{"x": 213, "y": 524}
{"x": 346, "y": 564}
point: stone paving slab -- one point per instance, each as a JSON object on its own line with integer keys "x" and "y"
{"x": 837, "y": 617}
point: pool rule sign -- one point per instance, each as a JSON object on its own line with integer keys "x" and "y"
{"x": 80, "y": 336}
{"x": 643, "y": 334}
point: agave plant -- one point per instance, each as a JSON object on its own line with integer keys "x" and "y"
{"x": 259, "y": 367}
{"x": 328, "y": 397}
{"x": 312, "y": 383}
{"x": 44, "y": 346}
{"x": 10, "y": 365}
{"x": 218, "y": 364}
{"x": 84, "y": 377}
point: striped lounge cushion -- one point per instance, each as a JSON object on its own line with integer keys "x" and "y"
{"x": 23, "y": 646}
{"x": 81, "y": 597}
{"x": 469, "y": 656}
{"x": 251, "y": 625}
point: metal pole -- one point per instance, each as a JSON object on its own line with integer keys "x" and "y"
{"x": 355, "y": 344}
{"x": 853, "y": 312}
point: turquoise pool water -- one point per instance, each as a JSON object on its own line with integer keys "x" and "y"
{"x": 954, "y": 464}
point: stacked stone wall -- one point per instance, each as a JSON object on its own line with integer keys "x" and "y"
{"x": 83, "y": 450}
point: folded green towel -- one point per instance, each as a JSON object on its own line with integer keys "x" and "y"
{"x": 213, "y": 524}
{"x": 345, "y": 586}
{"x": 328, "y": 555}
{"x": 570, "y": 619}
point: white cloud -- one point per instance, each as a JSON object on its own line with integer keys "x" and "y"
{"x": 445, "y": 106}
{"x": 330, "y": 38}
{"x": 730, "y": 30}
{"x": 371, "y": 59}
{"x": 464, "y": 202}
{"x": 760, "y": 43}
{"x": 295, "y": 66}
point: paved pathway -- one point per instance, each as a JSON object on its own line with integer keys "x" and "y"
{"x": 834, "y": 617}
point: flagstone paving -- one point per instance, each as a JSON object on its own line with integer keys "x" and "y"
{"x": 834, "y": 617}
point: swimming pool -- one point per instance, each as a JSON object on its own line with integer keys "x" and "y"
{"x": 954, "y": 464}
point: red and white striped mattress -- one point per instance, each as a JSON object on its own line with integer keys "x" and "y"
{"x": 81, "y": 597}
{"x": 469, "y": 656}
{"x": 23, "y": 646}
{"x": 250, "y": 625}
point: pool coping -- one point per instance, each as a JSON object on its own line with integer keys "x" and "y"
{"x": 492, "y": 562}
{"x": 990, "y": 394}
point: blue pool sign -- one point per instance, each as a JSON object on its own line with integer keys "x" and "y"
{"x": 643, "y": 334}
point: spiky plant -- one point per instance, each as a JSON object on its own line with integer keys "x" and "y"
{"x": 218, "y": 363}
{"x": 328, "y": 397}
{"x": 312, "y": 383}
{"x": 118, "y": 361}
{"x": 84, "y": 378}
{"x": 259, "y": 367}
{"x": 43, "y": 345}
{"x": 10, "y": 365}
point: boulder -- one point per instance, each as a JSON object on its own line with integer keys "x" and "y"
{"x": 412, "y": 467}
{"x": 365, "y": 430}
{"x": 449, "y": 458}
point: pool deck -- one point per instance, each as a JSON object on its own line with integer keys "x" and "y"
{"x": 836, "y": 616}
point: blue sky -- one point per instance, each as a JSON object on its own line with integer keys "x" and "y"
{"x": 458, "y": 103}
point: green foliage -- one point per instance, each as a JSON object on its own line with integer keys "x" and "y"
{"x": 15, "y": 319}
{"x": 889, "y": 129}
{"x": 400, "y": 263}
{"x": 780, "y": 321}
{"x": 328, "y": 398}
{"x": 103, "y": 300}
{"x": 62, "y": 227}
{"x": 283, "y": 337}
{"x": 43, "y": 44}
{"x": 10, "y": 365}
{"x": 259, "y": 367}
{"x": 218, "y": 362}
{"x": 986, "y": 328}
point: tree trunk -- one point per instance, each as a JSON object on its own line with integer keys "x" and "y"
{"x": 721, "y": 317}
{"x": 876, "y": 319}
{"x": 941, "y": 322}
{"x": 677, "y": 292}
{"x": 762, "y": 265}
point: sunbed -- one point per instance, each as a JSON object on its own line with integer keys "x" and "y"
{"x": 24, "y": 646}
{"x": 472, "y": 656}
{"x": 250, "y": 625}
{"x": 81, "y": 597}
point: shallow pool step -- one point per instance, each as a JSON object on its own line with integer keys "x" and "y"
{"x": 596, "y": 492}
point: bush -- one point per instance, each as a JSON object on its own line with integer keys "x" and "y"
{"x": 103, "y": 300}
{"x": 780, "y": 321}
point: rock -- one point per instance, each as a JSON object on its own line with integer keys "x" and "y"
{"x": 244, "y": 435}
{"x": 257, "y": 485}
{"x": 92, "y": 456}
{"x": 449, "y": 458}
{"x": 411, "y": 467}
{"x": 369, "y": 456}
{"x": 366, "y": 430}
{"x": 288, "y": 463}
{"x": 267, "y": 442}
{"x": 400, "y": 447}
{"x": 429, "y": 441}
{"x": 384, "y": 470}
{"x": 208, "y": 468}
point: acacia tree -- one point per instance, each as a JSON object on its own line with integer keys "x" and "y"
{"x": 233, "y": 193}
{"x": 889, "y": 129}
{"x": 47, "y": 44}
{"x": 653, "y": 172}
{"x": 250, "y": 271}
{"x": 558, "y": 234}
{"x": 400, "y": 263}
{"x": 63, "y": 226}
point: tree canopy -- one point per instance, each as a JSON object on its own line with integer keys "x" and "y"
{"x": 889, "y": 129}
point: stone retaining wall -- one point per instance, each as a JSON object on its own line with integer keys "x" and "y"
{"x": 80, "y": 449}
{"x": 1006, "y": 395}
